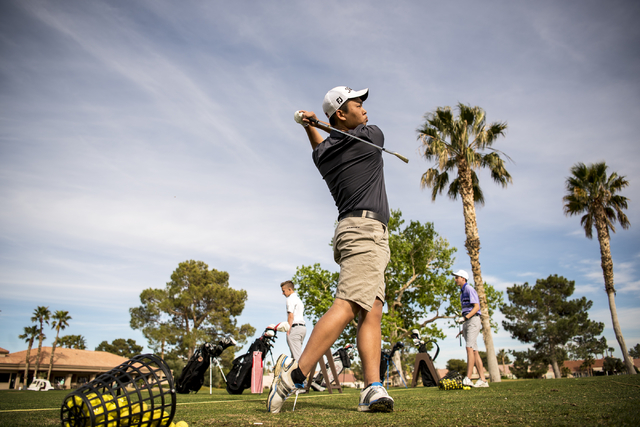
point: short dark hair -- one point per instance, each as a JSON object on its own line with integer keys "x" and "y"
{"x": 289, "y": 284}
{"x": 344, "y": 108}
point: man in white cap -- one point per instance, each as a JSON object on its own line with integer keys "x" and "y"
{"x": 471, "y": 327}
{"x": 354, "y": 174}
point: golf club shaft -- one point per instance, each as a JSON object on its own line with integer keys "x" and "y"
{"x": 398, "y": 155}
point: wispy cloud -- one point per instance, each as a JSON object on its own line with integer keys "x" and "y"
{"x": 136, "y": 135}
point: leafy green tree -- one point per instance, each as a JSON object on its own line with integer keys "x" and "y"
{"x": 588, "y": 345}
{"x": 30, "y": 334}
{"x": 590, "y": 191}
{"x": 588, "y": 363}
{"x": 634, "y": 352}
{"x": 419, "y": 286}
{"x": 613, "y": 365}
{"x": 73, "y": 341}
{"x": 529, "y": 364}
{"x": 457, "y": 365}
{"x": 60, "y": 322}
{"x": 196, "y": 306}
{"x": 41, "y": 315}
{"x": 463, "y": 145}
{"x": 544, "y": 316}
{"x": 125, "y": 348}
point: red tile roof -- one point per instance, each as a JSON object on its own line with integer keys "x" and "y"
{"x": 64, "y": 359}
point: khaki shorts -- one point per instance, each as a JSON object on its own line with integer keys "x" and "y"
{"x": 361, "y": 247}
{"x": 470, "y": 331}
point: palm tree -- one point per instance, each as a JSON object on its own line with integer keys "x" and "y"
{"x": 60, "y": 321}
{"x": 464, "y": 144}
{"x": 41, "y": 315}
{"x": 592, "y": 193}
{"x": 503, "y": 357}
{"x": 30, "y": 334}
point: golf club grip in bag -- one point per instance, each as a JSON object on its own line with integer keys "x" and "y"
{"x": 192, "y": 376}
{"x": 239, "y": 377}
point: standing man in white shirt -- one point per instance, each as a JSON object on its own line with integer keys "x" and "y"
{"x": 295, "y": 317}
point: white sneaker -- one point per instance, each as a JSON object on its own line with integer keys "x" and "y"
{"x": 481, "y": 383}
{"x": 467, "y": 382}
{"x": 375, "y": 399}
{"x": 278, "y": 366}
{"x": 283, "y": 385}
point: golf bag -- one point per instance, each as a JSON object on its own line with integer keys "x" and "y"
{"x": 385, "y": 359}
{"x": 239, "y": 377}
{"x": 426, "y": 368}
{"x": 192, "y": 376}
{"x": 341, "y": 359}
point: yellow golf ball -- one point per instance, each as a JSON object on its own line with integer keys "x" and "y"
{"x": 182, "y": 424}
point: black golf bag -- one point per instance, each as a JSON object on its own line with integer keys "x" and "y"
{"x": 239, "y": 377}
{"x": 341, "y": 359}
{"x": 385, "y": 359}
{"x": 192, "y": 376}
{"x": 426, "y": 368}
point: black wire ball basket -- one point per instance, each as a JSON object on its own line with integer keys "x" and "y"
{"x": 138, "y": 393}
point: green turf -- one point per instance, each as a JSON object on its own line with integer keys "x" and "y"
{"x": 606, "y": 401}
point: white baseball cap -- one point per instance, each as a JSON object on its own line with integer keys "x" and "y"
{"x": 462, "y": 273}
{"x": 338, "y": 95}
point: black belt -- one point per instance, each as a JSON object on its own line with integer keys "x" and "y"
{"x": 362, "y": 214}
{"x": 297, "y": 324}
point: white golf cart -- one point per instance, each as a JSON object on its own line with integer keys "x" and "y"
{"x": 40, "y": 385}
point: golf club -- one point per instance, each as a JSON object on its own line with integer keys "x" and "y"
{"x": 316, "y": 122}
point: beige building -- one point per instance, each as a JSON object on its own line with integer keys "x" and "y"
{"x": 71, "y": 367}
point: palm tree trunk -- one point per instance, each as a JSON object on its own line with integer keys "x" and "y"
{"x": 607, "y": 270}
{"x": 472, "y": 244}
{"x": 53, "y": 349}
{"x": 26, "y": 368}
{"x": 35, "y": 373}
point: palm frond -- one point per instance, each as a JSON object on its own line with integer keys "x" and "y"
{"x": 457, "y": 142}
{"x": 495, "y": 164}
{"x": 591, "y": 191}
{"x": 435, "y": 180}
{"x": 478, "y": 195}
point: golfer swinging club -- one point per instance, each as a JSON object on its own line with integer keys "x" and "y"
{"x": 354, "y": 174}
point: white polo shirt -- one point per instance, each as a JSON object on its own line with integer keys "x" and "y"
{"x": 294, "y": 305}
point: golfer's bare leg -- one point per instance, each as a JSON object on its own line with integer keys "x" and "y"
{"x": 479, "y": 365}
{"x": 370, "y": 341}
{"x": 471, "y": 361}
{"x": 326, "y": 332}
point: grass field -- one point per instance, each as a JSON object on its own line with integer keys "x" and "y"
{"x": 606, "y": 401}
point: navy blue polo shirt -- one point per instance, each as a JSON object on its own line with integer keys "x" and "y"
{"x": 354, "y": 171}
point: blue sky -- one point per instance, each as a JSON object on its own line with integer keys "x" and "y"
{"x": 137, "y": 135}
